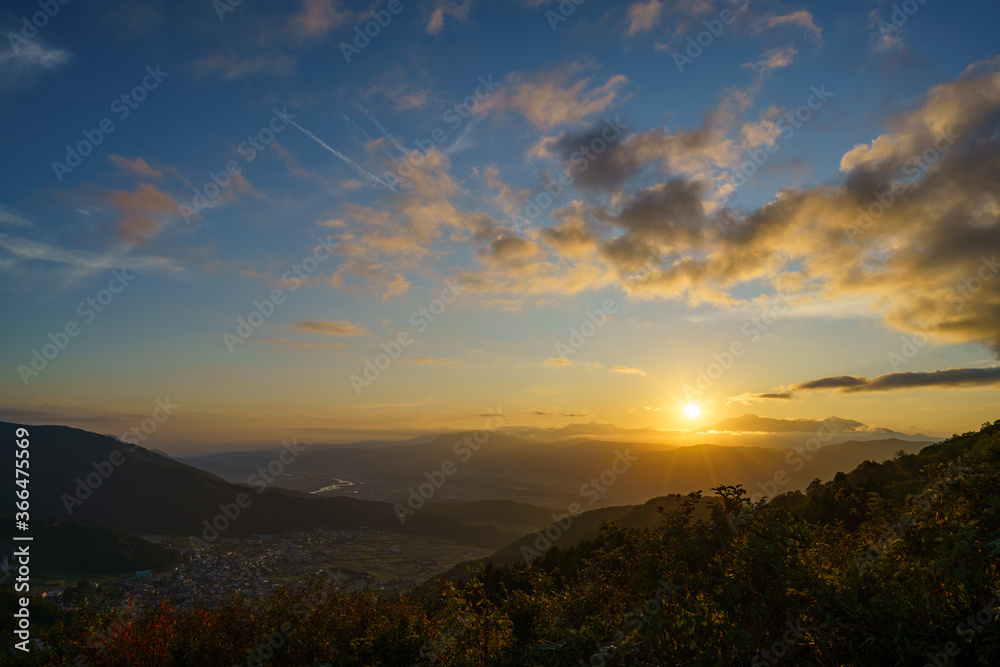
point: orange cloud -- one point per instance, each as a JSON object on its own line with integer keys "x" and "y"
{"x": 549, "y": 100}
{"x": 333, "y": 328}
{"x": 136, "y": 165}
{"x": 317, "y": 17}
{"x": 445, "y": 8}
{"x": 142, "y": 213}
{"x": 802, "y": 18}
{"x": 428, "y": 360}
{"x": 643, "y": 16}
{"x": 628, "y": 370}
{"x": 292, "y": 343}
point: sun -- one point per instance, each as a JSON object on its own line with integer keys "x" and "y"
{"x": 692, "y": 410}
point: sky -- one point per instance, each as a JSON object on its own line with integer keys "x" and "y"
{"x": 326, "y": 220}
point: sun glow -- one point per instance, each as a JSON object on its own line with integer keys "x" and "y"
{"x": 692, "y": 410}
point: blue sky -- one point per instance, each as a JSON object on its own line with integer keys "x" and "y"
{"x": 653, "y": 222}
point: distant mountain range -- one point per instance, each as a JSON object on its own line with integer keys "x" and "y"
{"x": 750, "y": 423}
{"x": 90, "y": 478}
{"x": 526, "y": 470}
{"x": 503, "y": 485}
{"x": 748, "y": 429}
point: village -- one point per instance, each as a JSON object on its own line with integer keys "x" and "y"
{"x": 258, "y": 565}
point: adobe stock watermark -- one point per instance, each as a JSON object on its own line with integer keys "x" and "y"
{"x": 916, "y": 166}
{"x": 223, "y": 7}
{"x": 580, "y": 160}
{"x": 301, "y": 612}
{"x": 566, "y": 9}
{"x": 122, "y": 106}
{"x": 259, "y": 481}
{"x": 31, "y": 26}
{"x": 218, "y": 181}
{"x": 592, "y": 489}
{"x": 265, "y": 308}
{"x": 916, "y": 505}
{"x": 588, "y": 328}
{"x": 440, "y": 645}
{"x": 580, "y": 334}
{"x": 366, "y": 32}
{"x": 797, "y": 459}
{"x": 901, "y": 13}
{"x": 103, "y": 470}
{"x": 713, "y": 29}
{"x": 967, "y": 629}
{"x": 98, "y": 641}
{"x": 455, "y": 117}
{"x": 962, "y": 294}
{"x": 752, "y": 329}
{"x": 60, "y": 340}
{"x": 420, "y": 320}
{"x": 436, "y": 479}
{"x": 787, "y": 124}
{"x": 637, "y": 620}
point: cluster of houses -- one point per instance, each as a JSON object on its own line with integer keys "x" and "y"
{"x": 252, "y": 566}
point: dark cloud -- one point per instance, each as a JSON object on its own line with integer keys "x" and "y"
{"x": 851, "y": 384}
{"x": 836, "y": 382}
{"x": 572, "y": 234}
{"x": 669, "y": 212}
{"x": 607, "y": 170}
{"x": 780, "y": 395}
{"x": 950, "y": 377}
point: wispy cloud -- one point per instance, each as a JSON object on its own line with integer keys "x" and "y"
{"x": 628, "y": 370}
{"x": 429, "y": 360}
{"x": 643, "y": 16}
{"x": 9, "y": 216}
{"x": 550, "y": 99}
{"x": 234, "y": 67}
{"x": 304, "y": 346}
{"x": 802, "y": 19}
{"x": 351, "y": 163}
{"x": 764, "y": 396}
{"x": 136, "y": 166}
{"x": 317, "y": 17}
{"x": 444, "y": 9}
{"x": 774, "y": 59}
{"x": 80, "y": 264}
{"x": 22, "y": 63}
{"x": 333, "y": 328}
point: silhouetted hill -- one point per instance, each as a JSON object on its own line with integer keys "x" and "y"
{"x": 751, "y": 423}
{"x": 890, "y": 563}
{"x": 569, "y": 532}
{"x": 71, "y": 548}
{"x": 494, "y": 511}
{"x": 149, "y": 493}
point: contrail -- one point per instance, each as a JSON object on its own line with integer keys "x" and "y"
{"x": 385, "y": 151}
{"x": 357, "y": 127}
{"x": 351, "y": 163}
{"x": 395, "y": 142}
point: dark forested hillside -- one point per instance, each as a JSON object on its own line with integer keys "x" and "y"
{"x": 91, "y": 478}
{"x": 70, "y": 548}
{"x": 893, "y": 563}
